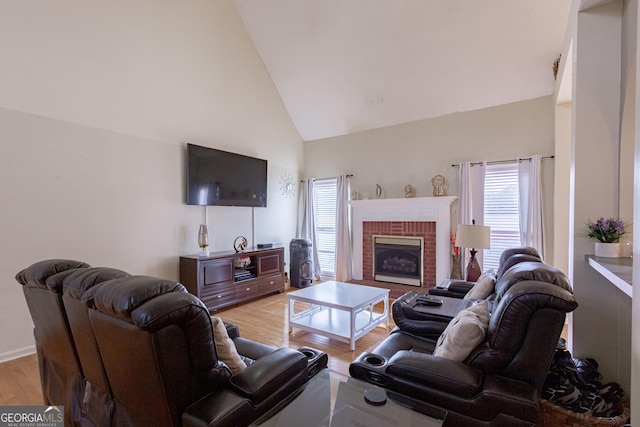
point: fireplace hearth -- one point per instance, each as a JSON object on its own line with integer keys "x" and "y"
{"x": 398, "y": 259}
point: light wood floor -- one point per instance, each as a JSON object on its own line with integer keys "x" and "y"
{"x": 264, "y": 320}
{"x": 20, "y": 382}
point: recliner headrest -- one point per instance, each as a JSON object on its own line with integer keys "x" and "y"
{"x": 76, "y": 282}
{"x": 516, "y": 259}
{"x": 36, "y": 274}
{"x": 527, "y": 250}
{"x": 124, "y": 295}
{"x": 531, "y": 271}
{"x": 518, "y": 250}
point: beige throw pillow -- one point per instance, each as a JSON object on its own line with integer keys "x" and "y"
{"x": 483, "y": 287}
{"x": 225, "y": 348}
{"x": 463, "y": 333}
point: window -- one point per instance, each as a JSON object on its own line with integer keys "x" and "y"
{"x": 501, "y": 211}
{"x": 325, "y": 200}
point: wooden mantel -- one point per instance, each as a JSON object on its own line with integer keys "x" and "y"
{"x": 437, "y": 209}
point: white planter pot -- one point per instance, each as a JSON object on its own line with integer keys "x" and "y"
{"x": 608, "y": 250}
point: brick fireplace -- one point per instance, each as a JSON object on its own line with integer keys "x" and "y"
{"x": 424, "y": 229}
{"x": 426, "y": 217}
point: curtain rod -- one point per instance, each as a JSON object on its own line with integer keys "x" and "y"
{"x": 495, "y": 162}
{"x": 350, "y": 175}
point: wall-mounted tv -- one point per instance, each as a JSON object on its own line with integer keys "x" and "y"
{"x": 221, "y": 178}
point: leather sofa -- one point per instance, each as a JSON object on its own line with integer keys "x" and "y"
{"x": 120, "y": 350}
{"x": 498, "y": 382}
{"x": 430, "y": 325}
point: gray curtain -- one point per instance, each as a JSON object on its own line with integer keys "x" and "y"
{"x": 531, "y": 209}
{"x": 308, "y": 228}
{"x": 344, "y": 266}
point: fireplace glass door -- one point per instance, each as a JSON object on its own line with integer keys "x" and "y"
{"x": 398, "y": 259}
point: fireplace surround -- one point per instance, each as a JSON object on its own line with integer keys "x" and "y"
{"x": 398, "y": 259}
{"x": 401, "y": 217}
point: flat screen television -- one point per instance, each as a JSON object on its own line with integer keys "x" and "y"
{"x": 221, "y": 178}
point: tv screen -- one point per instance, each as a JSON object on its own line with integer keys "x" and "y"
{"x": 220, "y": 178}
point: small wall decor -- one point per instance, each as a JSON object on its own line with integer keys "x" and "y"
{"x": 409, "y": 191}
{"x": 240, "y": 244}
{"x": 556, "y": 65}
{"x": 439, "y": 186}
{"x": 380, "y": 193}
{"x": 287, "y": 186}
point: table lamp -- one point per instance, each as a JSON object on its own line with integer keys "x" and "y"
{"x": 474, "y": 237}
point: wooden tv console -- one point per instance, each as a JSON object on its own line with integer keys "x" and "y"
{"x": 220, "y": 280}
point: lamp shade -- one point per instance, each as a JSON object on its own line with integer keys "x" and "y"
{"x": 473, "y": 236}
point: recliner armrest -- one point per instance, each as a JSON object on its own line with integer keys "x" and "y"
{"x": 221, "y": 407}
{"x": 453, "y": 289}
{"x": 446, "y": 375}
{"x": 268, "y": 374}
{"x": 461, "y": 287}
{"x": 445, "y": 293}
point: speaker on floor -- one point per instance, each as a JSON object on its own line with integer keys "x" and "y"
{"x": 301, "y": 265}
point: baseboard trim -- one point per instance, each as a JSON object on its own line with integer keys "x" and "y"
{"x": 16, "y": 354}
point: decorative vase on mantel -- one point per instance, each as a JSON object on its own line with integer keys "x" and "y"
{"x": 607, "y": 250}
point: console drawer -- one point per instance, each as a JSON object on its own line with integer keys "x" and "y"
{"x": 218, "y": 296}
{"x": 246, "y": 290}
{"x": 272, "y": 283}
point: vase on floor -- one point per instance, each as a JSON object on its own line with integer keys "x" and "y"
{"x": 456, "y": 267}
{"x": 607, "y": 250}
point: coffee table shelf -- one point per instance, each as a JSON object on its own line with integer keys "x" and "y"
{"x": 338, "y": 310}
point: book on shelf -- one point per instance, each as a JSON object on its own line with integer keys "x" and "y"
{"x": 242, "y": 274}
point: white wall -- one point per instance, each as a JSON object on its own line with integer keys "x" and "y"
{"x": 97, "y": 101}
{"x": 602, "y": 322}
{"x": 413, "y": 153}
{"x": 562, "y": 239}
{"x": 601, "y": 49}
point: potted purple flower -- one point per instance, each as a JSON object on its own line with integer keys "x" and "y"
{"x": 607, "y": 232}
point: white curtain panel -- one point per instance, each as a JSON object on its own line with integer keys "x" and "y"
{"x": 343, "y": 268}
{"x": 308, "y": 228}
{"x": 531, "y": 218}
{"x": 471, "y": 200}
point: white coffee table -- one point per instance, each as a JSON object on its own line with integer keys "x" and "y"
{"x": 338, "y": 310}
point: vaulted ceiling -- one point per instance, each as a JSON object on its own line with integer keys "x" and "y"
{"x": 344, "y": 66}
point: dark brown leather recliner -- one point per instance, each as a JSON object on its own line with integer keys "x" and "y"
{"x": 137, "y": 350}
{"x": 60, "y": 371}
{"x": 98, "y": 405}
{"x": 431, "y": 326}
{"x": 156, "y": 343}
{"x": 499, "y": 382}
